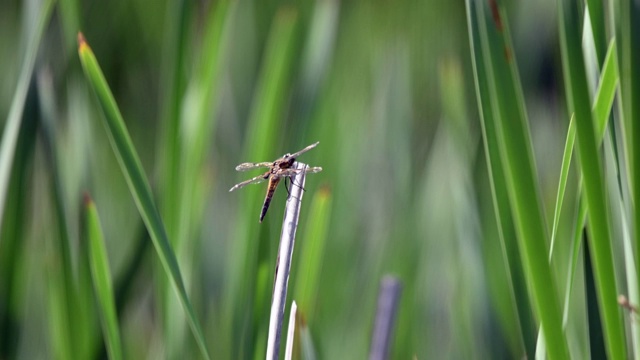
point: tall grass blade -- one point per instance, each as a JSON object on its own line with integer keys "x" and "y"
{"x": 627, "y": 22}
{"x": 603, "y": 103}
{"x": 606, "y": 92}
{"x": 101, "y": 276}
{"x": 629, "y": 34}
{"x": 513, "y": 326}
{"x": 562, "y": 186}
{"x": 514, "y": 142}
{"x": 138, "y": 183}
{"x": 599, "y": 223}
{"x": 601, "y": 109}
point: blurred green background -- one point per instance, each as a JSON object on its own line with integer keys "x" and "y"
{"x": 388, "y": 90}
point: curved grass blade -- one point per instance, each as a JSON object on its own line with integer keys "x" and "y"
{"x": 511, "y": 309}
{"x": 599, "y": 222}
{"x": 601, "y": 108}
{"x": 101, "y": 276}
{"x": 606, "y": 90}
{"x": 137, "y": 181}
{"x": 12, "y": 127}
{"x": 564, "y": 175}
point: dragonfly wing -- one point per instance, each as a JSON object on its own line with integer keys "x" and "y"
{"x": 313, "y": 170}
{"x": 250, "y": 166}
{"x": 292, "y": 172}
{"x": 295, "y": 155}
{"x": 255, "y": 180}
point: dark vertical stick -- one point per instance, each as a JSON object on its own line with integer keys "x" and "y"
{"x": 287, "y": 240}
{"x": 388, "y": 299}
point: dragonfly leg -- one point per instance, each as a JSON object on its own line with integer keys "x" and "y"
{"x": 286, "y": 186}
{"x": 294, "y": 183}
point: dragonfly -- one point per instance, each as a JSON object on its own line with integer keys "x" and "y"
{"x": 278, "y": 169}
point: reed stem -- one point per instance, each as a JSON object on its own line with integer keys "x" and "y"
{"x": 287, "y": 241}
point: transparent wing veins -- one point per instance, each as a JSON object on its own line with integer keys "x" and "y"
{"x": 255, "y": 180}
{"x": 296, "y": 154}
{"x": 250, "y": 166}
{"x": 292, "y": 172}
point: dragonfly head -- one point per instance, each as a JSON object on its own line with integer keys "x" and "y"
{"x": 288, "y": 159}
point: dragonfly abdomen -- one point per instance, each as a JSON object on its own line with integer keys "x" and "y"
{"x": 273, "y": 184}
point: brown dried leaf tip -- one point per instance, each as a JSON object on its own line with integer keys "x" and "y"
{"x": 86, "y": 199}
{"x": 81, "y": 40}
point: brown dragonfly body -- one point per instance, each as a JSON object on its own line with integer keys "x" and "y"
{"x": 281, "y": 168}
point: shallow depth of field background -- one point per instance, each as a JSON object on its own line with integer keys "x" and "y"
{"x": 386, "y": 87}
